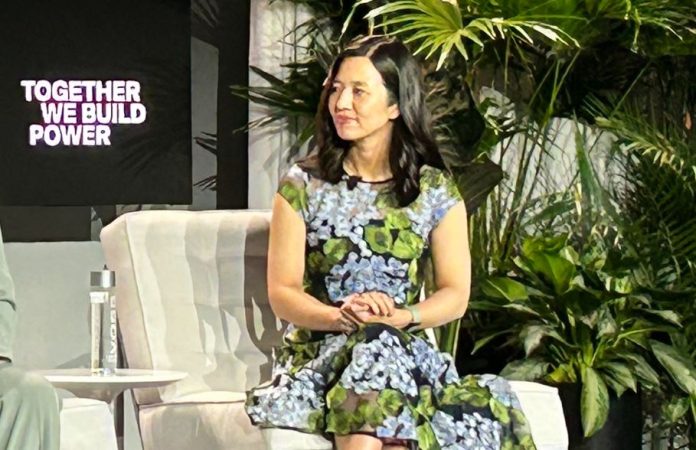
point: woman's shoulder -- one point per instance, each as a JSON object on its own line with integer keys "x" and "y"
{"x": 438, "y": 183}
{"x": 297, "y": 173}
{"x": 306, "y": 168}
{"x": 292, "y": 186}
{"x": 300, "y": 174}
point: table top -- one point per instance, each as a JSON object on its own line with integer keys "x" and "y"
{"x": 135, "y": 377}
{"x": 83, "y": 383}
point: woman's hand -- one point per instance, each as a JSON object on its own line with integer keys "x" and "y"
{"x": 375, "y": 307}
{"x": 378, "y": 303}
{"x": 355, "y": 312}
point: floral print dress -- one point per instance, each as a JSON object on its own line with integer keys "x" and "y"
{"x": 382, "y": 381}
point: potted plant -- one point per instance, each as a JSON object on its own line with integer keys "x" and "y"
{"x": 582, "y": 322}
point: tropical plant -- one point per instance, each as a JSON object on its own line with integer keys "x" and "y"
{"x": 657, "y": 194}
{"x": 579, "y": 316}
{"x": 513, "y": 68}
{"x": 292, "y": 102}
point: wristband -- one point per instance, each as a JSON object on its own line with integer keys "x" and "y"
{"x": 415, "y": 313}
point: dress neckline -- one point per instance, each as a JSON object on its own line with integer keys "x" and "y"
{"x": 358, "y": 178}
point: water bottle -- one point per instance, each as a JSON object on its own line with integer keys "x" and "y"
{"x": 103, "y": 326}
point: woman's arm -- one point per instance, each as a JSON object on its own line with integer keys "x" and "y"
{"x": 286, "y": 253}
{"x": 452, "y": 264}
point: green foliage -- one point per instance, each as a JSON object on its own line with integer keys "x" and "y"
{"x": 592, "y": 276}
{"x": 441, "y": 27}
{"x": 578, "y": 315}
{"x": 594, "y": 401}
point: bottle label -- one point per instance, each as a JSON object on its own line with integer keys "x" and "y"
{"x": 104, "y": 332}
{"x": 112, "y": 354}
{"x": 98, "y": 297}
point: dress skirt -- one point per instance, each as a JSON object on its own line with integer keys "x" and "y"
{"x": 390, "y": 384}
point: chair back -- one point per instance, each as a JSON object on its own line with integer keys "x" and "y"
{"x": 191, "y": 296}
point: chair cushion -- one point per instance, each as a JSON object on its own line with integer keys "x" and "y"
{"x": 207, "y": 420}
{"x": 542, "y": 407}
{"x": 279, "y": 439}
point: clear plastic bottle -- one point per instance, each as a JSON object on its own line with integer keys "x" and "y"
{"x": 104, "y": 326}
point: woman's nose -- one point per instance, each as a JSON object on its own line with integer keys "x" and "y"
{"x": 345, "y": 100}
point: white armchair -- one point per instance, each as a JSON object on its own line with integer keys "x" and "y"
{"x": 191, "y": 296}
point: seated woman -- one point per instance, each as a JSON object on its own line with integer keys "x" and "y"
{"x": 29, "y": 406}
{"x": 353, "y": 226}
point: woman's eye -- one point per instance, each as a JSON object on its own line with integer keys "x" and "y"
{"x": 358, "y": 92}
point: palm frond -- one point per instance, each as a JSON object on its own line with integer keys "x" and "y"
{"x": 437, "y": 26}
{"x": 204, "y": 21}
{"x": 660, "y": 213}
{"x": 665, "y": 147}
{"x": 666, "y": 16}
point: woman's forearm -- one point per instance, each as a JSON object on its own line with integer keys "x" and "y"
{"x": 301, "y": 309}
{"x": 444, "y": 306}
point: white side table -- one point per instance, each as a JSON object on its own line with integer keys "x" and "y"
{"x": 82, "y": 383}
{"x": 106, "y": 388}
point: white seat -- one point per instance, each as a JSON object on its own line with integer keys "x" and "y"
{"x": 280, "y": 439}
{"x": 86, "y": 424}
{"x": 191, "y": 296}
{"x": 542, "y": 407}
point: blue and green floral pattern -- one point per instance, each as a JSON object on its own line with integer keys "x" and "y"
{"x": 379, "y": 380}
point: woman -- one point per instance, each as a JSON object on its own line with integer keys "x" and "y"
{"x": 352, "y": 228}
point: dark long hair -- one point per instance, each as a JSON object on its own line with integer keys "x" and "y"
{"x": 412, "y": 143}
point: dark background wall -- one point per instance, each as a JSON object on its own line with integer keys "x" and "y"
{"x": 219, "y": 58}
{"x": 233, "y": 112}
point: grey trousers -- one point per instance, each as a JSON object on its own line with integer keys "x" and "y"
{"x": 29, "y": 411}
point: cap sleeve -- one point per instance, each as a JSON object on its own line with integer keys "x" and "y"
{"x": 441, "y": 194}
{"x": 451, "y": 197}
{"x": 293, "y": 188}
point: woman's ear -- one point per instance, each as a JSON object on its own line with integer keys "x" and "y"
{"x": 394, "y": 111}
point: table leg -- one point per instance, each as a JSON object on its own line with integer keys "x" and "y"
{"x": 116, "y": 407}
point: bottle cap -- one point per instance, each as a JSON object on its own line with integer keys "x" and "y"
{"x": 103, "y": 278}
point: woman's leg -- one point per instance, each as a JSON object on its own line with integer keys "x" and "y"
{"x": 394, "y": 447}
{"x": 358, "y": 442}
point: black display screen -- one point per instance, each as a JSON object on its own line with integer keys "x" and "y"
{"x": 95, "y": 102}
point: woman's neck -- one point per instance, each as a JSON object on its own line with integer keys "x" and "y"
{"x": 369, "y": 159}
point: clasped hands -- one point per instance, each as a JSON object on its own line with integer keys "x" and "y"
{"x": 371, "y": 307}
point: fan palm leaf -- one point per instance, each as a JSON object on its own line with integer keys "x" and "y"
{"x": 439, "y": 26}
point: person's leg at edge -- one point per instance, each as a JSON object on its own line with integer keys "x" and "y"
{"x": 30, "y": 411}
{"x": 357, "y": 442}
{"x": 363, "y": 441}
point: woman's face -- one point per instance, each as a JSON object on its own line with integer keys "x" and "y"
{"x": 359, "y": 101}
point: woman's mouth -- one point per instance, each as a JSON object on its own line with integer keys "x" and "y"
{"x": 344, "y": 120}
